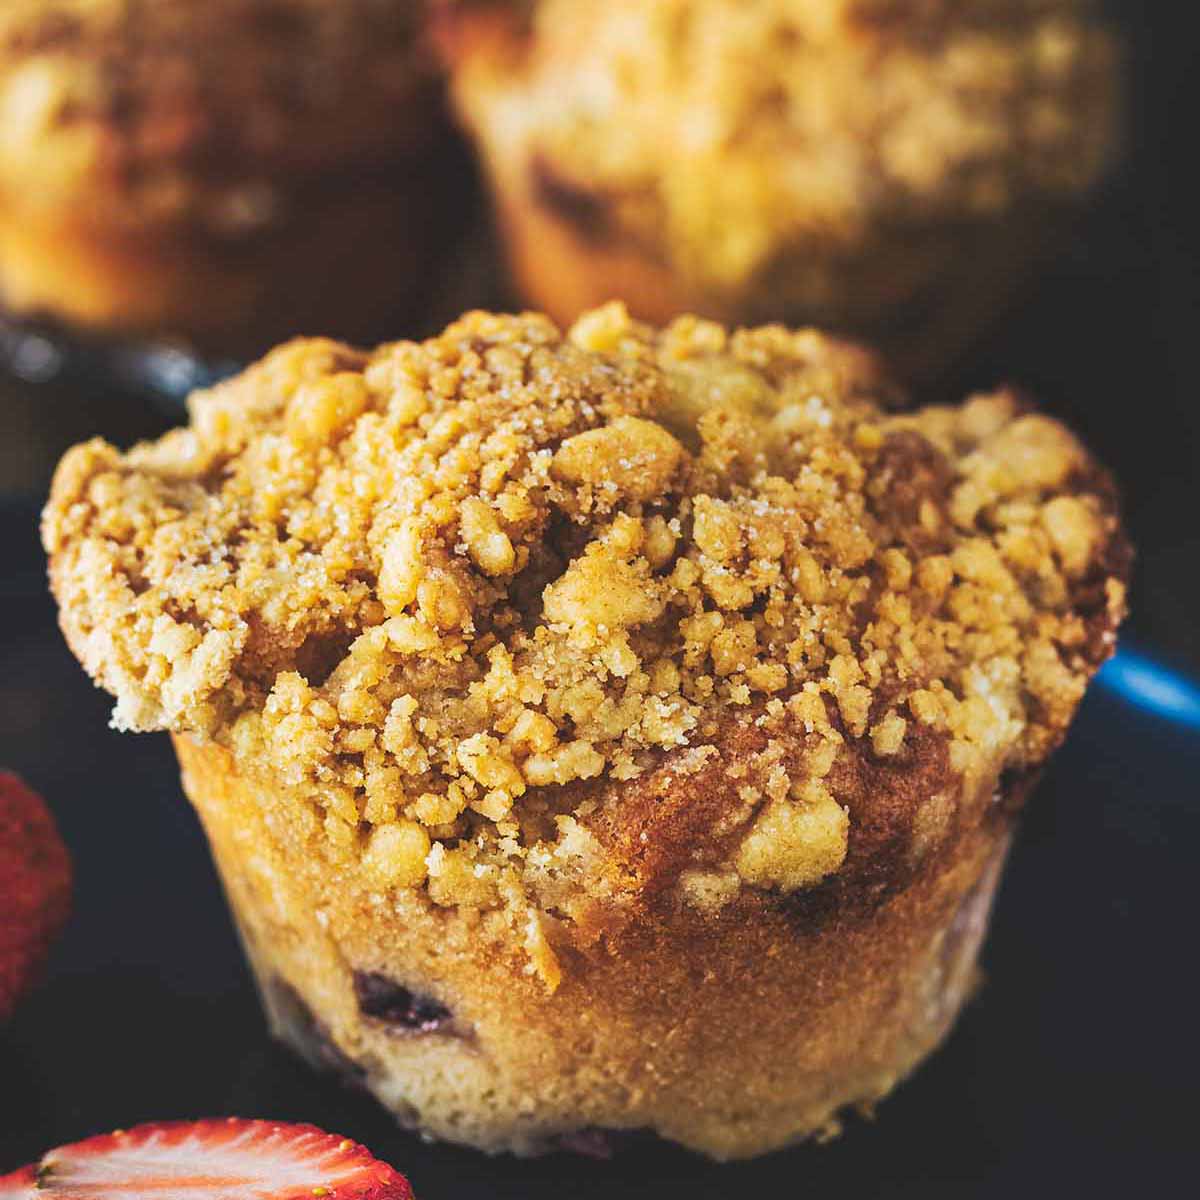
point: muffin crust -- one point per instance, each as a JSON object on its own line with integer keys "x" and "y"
{"x": 557, "y": 628}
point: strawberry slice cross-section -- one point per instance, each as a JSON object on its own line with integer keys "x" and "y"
{"x": 19, "y": 1185}
{"x": 220, "y": 1159}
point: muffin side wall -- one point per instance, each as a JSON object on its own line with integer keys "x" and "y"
{"x": 734, "y": 1033}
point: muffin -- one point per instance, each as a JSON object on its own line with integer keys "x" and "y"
{"x": 890, "y": 169}
{"x": 225, "y": 172}
{"x": 620, "y": 730}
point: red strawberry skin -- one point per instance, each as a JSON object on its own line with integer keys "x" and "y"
{"x": 19, "y": 1185}
{"x": 218, "y": 1159}
{"x": 35, "y": 888}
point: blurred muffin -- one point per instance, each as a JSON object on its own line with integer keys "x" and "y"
{"x": 892, "y": 168}
{"x": 612, "y": 731}
{"x": 223, "y": 171}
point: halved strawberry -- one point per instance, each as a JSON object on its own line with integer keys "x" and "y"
{"x": 19, "y": 1185}
{"x": 35, "y": 888}
{"x": 220, "y": 1159}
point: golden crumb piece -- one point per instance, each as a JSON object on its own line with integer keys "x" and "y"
{"x": 888, "y": 736}
{"x": 631, "y": 459}
{"x": 709, "y": 891}
{"x": 487, "y": 543}
{"x": 793, "y": 846}
{"x": 395, "y": 854}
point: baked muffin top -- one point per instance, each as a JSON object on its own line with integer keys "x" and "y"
{"x": 141, "y": 111}
{"x": 600, "y": 618}
{"x": 724, "y": 134}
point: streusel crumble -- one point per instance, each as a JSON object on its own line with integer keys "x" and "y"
{"x": 449, "y": 592}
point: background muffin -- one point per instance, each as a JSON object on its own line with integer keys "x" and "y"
{"x": 225, "y": 171}
{"x": 890, "y": 167}
{"x": 613, "y": 731}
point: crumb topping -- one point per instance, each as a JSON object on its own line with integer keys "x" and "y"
{"x": 145, "y": 111}
{"x": 724, "y": 134}
{"x": 531, "y": 619}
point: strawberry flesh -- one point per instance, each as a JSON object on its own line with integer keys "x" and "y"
{"x": 35, "y": 888}
{"x": 19, "y": 1185}
{"x": 220, "y": 1159}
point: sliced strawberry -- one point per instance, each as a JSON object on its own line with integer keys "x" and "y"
{"x": 222, "y": 1159}
{"x": 19, "y": 1185}
{"x": 35, "y": 888}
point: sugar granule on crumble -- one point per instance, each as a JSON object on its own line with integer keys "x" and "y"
{"x": 453, "y": 597}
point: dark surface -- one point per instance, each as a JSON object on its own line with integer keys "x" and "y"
{"x": 1074, "y": 1067}
{"x": 1073, "y": 1073}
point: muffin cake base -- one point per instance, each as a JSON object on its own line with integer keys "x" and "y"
{"x": 732, "y": 1036}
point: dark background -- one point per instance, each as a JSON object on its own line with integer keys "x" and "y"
{"x": 1074, "y": 1070}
